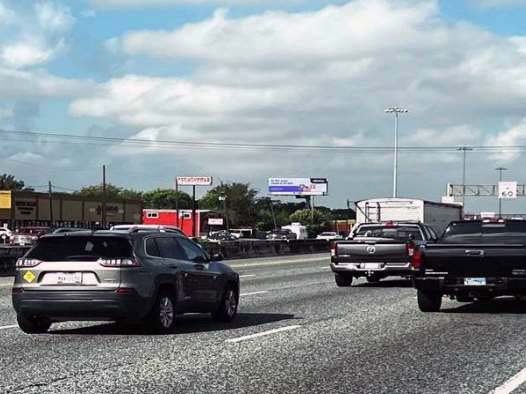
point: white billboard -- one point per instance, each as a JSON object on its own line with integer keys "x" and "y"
{"x": 507, "y": 190}
{"x": 194, "y": 180}
{"x": 298, "y": 186}
{"x": 215, "y": 221}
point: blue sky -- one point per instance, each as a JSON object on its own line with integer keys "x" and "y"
{"x": 279, "y": 72}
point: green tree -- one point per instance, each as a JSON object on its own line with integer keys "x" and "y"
{"x": 166, "y": 199}
{"x": 9, "y": 182}
{"x": 112, "y": 192}
{"x": 316, "y": 221}
{"x": 240, "y": 203}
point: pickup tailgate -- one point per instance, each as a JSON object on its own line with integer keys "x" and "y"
{"x": 372, "y": 250}
{"x": 485, "y": 260}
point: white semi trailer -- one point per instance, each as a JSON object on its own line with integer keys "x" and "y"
{"x": 435, "y": 214}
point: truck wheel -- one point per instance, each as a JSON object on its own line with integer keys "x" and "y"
{"x": 428, "y": 301}
{"x": 33, "y": 325}
{"x": 342, "y": 280}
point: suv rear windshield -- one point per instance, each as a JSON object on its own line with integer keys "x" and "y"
{"x": 399, "y": 233}
{"x": 481, "y": 232}
{"x": 75, "y": 248}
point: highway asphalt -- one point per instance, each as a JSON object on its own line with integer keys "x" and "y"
{"x": 296, "y": 333}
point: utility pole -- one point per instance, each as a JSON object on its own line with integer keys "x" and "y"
{"x": 103, "y": 204}
{"x": 176, "y": 202}
{"x": 464, "y": 149}
{"x": 500, "y": 169}
{"x": 395, "y": 111}
{"x": 193, "y": 211}
{"x": 222, "y": 197}
{"x": 50, "y": 194}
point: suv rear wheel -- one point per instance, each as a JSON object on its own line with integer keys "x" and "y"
{"x": 33, "y": 325}
{"x": 342, "y": 280}
{"x": 428, "y": 301}
{"x": 227, "y": 310}
{"x": 162, "y": 317}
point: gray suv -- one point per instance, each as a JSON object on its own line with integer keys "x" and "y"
{"x": 134, "y": 276}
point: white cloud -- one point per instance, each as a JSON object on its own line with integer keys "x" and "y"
{"x": 21, "y": 54}
{"x": 53, "y": 17}
{"x": 167, "y": 3}
{"x": 516, "y": 135}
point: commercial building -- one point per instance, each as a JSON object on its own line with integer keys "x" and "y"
{"x": 23, "y": 208}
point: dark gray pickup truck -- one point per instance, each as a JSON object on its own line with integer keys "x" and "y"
{"x": 474, "y": 260}
{"x": 378, "y": 250}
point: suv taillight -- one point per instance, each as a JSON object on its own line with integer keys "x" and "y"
{"x": 27, "y": 263}
{"x": 119, "y": 263}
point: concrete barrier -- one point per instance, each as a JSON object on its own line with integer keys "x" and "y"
{"x": 228, "y": 249}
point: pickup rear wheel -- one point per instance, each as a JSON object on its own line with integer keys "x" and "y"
{"x": 342, "y": 280}
{"x": 373, "y": 279}
{"x": 428, "y": 301}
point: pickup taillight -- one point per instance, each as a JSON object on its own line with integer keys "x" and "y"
{"x": 414, "y": 252}
{"x": 333, "y": 249}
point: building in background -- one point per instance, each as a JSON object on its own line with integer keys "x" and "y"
{"x": 23, "y": 208}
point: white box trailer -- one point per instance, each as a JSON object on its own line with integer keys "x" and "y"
{"x": 435, "y": 214}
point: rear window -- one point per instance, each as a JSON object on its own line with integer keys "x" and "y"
{"x": 480, "y": 232}
{"x": 81, "y": 249}
{"x": 399, "y": 233}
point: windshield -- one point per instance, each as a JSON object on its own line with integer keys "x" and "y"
{"x": 81, "y": 249}
{"x": 399, "y": 233}
{"x": 480, "y": 232}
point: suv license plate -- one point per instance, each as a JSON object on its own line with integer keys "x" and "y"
{"x": 69, "y": 278}
{"x": 475, "y": 281}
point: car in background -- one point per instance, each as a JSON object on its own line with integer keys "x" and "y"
{"x": 141, "y": 276}
{"x": 28, "y": 235}
{"x": 281, "y": 234}
{"x": 329, "y": 236}
{"x": 61, "y": 230}
{"x": 147, "y": 227}
{"x": 223, "y": 235}
{"x": 5, "y": 235}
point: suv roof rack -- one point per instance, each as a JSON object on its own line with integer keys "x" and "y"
{"x": 159, "y": 229}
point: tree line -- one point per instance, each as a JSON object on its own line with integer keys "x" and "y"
{"x": 239, "y": 202}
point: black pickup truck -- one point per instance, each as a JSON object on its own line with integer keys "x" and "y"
{"x": 474, "y": 260}
{"x": 377, "y": 250}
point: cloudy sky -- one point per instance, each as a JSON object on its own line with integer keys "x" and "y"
{"x": 280, "y": 72}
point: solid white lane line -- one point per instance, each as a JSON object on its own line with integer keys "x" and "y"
{"x": 253, "y": 293}
{"x": 325, "y": 268}
{"x": 261, "y": 334}
{"x": 511, "y": 384}
{"x": 8, "y": 327}
{"x": 247, "y": 276}
{"x": 282, "y": 262}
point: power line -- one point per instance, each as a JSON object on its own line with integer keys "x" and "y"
{"x": 63, "y": 138}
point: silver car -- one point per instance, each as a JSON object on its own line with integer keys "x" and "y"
{"x": 134, "y": 276}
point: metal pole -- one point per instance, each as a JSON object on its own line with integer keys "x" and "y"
{"x": 50, "y": 204}
{"x": 103, "y": 205}
{"x": 464, "y": 150}
{"x": 500, "y": 169}
{"x": 176, "y": 203}
{"x": 395, "y": 164}
{"x": 193, "y": 211}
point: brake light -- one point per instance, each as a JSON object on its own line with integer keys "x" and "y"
{"x": 27, "y": 263}
{"x": 333, "y": 249}
{"x": 417, "y": 258}
{"x": 390, "y": 223}
{"x": 119, "y": 263}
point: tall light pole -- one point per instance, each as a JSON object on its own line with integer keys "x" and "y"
{"x": 500, "y": 169}
{"x": 464, "y": 149}
{"x": 395, "y": 111}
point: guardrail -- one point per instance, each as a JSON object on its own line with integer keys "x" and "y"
{"x": 228, "y": 249}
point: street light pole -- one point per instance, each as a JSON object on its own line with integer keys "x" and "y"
{"x": 500, "y": 169}
{"x": 395, "y": 111}
{"x": 464, "y": 149}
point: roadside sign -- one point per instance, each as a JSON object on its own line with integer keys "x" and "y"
{"x": 215, "y": 221}
{"x": 5, "y": 199}
{"x": 298, "y": 186}
{"x": 507, "y": 190}
{"x": 194, "y": 180}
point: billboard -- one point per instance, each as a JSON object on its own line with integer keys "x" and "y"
{"x": 194, "y": 180}
{"x": 298, "y": 186}
{"x": 5, "y": 199}
{"x": 507, "y": 190}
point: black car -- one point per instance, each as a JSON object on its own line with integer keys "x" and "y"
{"x": 134, "y": 276}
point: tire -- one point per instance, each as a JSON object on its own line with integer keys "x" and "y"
{"x": 373, "y": 279}
{"x": 162, "y": 317}
{"x": 33, "y": 325}
{"x": 342, "y": 280}
{"x": 227, "y": 309}
{"x": 429, "y": 302}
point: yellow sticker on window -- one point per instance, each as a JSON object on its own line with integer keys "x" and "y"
{"x": 29, "y": 276}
